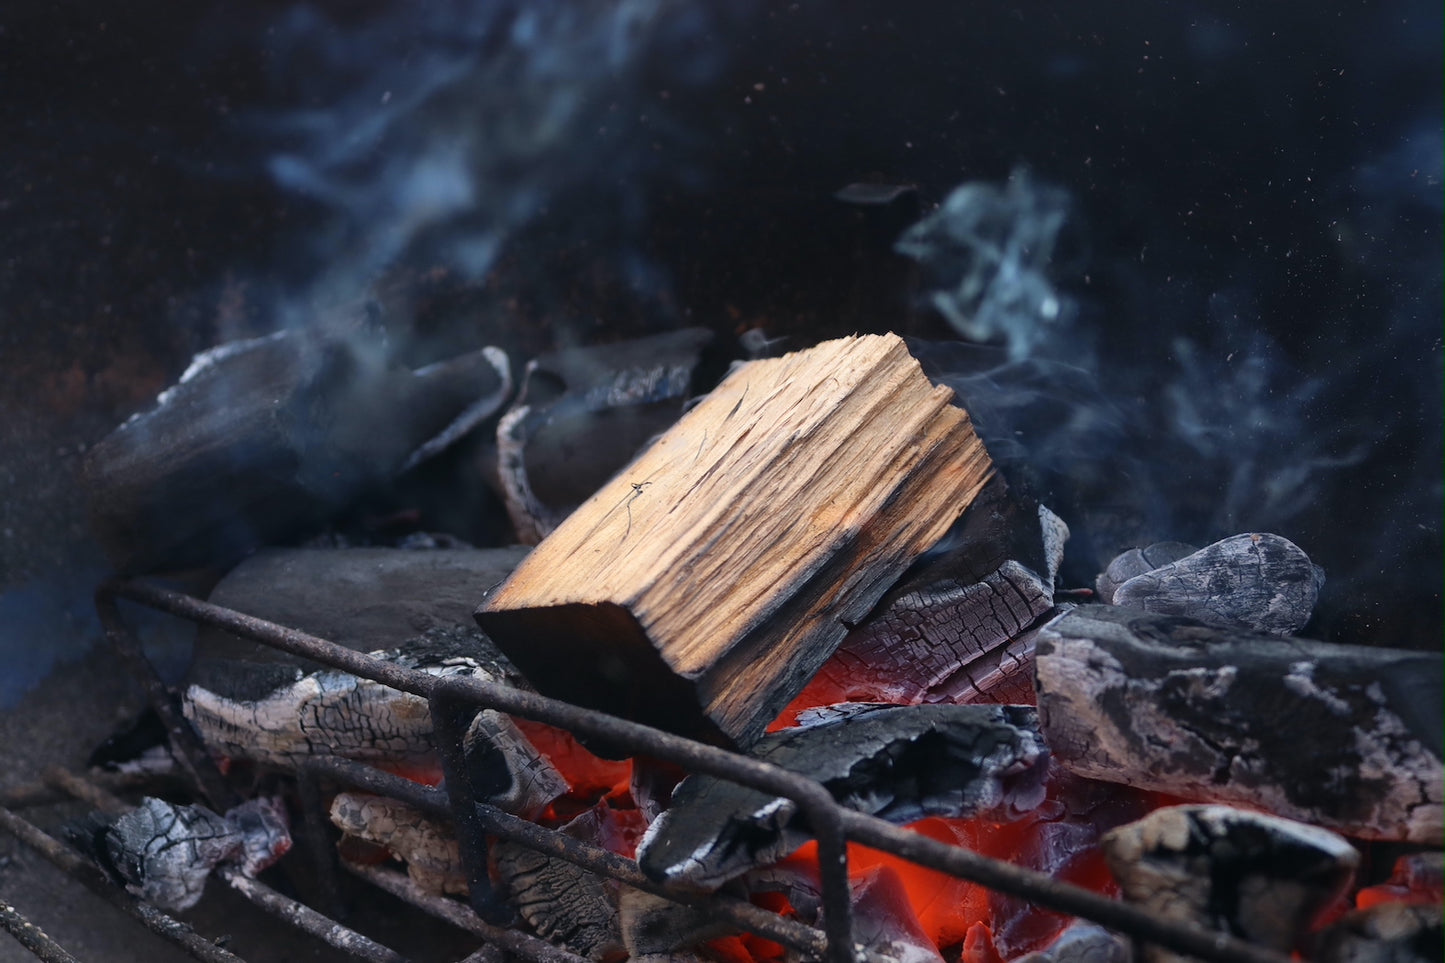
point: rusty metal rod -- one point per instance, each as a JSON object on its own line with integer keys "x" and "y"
{"x": 78, "y": 867}
{"x": 190, "y": 751}
{"x": 32, "y": 937}
{"x": 307, "y": 919}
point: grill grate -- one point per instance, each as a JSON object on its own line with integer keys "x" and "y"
{"x": 452, "y": 703}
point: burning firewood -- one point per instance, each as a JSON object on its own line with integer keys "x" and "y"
{"x": 1204, "y": 713}
{"x": 164, "y": 852}
{"x": 335, "y": 713}
{"x": 897, "y": 762}
{"x": 1240, "y": 872}
{"x": 260, "y": 439}
{"x": 581, "y": 414}
{"x": 427, "y": 847}
{"x": 703, "y": 586}
{"x": 956, "y": 627}
{"x": 1256, "y": 581}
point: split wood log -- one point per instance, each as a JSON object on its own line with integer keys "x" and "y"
{"x": 1244, "y": 873}
{"x": 1339, "y": 736}
{"x": 701, "y": 588}
{"x": 262, "y": 439}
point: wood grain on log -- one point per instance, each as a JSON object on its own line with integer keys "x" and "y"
{"x": 703, "y": 586}
{"x": 1340, "y": 736}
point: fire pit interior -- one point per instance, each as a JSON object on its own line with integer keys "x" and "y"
{"x": 320, "y": 321}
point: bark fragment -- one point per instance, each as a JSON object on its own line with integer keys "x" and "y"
{"x": 1244, "y": 873}
{"x": 1172, "y": 705}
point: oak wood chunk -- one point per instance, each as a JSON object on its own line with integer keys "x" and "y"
{"x": 703, "y": 586}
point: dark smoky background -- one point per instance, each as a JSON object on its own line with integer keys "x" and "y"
{"x": 1201, "y": 245}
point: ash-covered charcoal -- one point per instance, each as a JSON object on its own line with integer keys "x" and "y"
{"x": 1081, "y": 942}
{"x": 562, "y": 901}
{"x": 897, "y": 762}
{"x": 262, "y": 439}
{"x": 1385, "y": 933}
{"x": 163, "y": 852}
{"x": 1255, "y": 581}
{"x": 506, "y": 770}
{"x": 334, "y": 713}
{"x": 1255, "y": 876}
{"x": 427, "y": 847}
{"x": 657, "y": 930}
{"x": 1138, "y": 561}
{"x": 956, "y": 627}
{"x": 580, "y": 416}
{"x": 1175, "y": 706}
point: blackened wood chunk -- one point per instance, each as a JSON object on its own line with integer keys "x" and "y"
{"x": 1255, "y": 876}
{"x": 581, "y": 414}
{"x": 1340, "y": 736}
{"x": 1254, "y": 581}
{"x": 703, "y": 586}
{"x": 1081, "y": 942}
{"x": 262, "y": 439}
{"x": 563, "y": 902}
{"x": 1385, "y": 933}
{"x": 900, "y": 763}
{"x": 954, "y": 628}
{"x": 656, "y": 929}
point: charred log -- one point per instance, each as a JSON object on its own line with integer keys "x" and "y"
{"x": 897, "y": 762}
{"x": 261, "y": 439}
{"x": 1203, "y": 713}
{"x": 427, "y": 847}
{"x": 1254, "y": 876}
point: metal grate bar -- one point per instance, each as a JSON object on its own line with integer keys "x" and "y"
{"x": 814, "y": 800}
{"x": 32, "y": 937}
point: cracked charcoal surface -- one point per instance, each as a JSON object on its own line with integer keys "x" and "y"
{"x": 1169, "y": 704}
{"x": 427, "y": 847}
{"x": 562, "y": 901}
{"x": 1255, "y": 876}
{"x": 1137, "y": 561}
{"x": 897, "y": 762}
{"x": 164, "y": 852}
{"x": 1255, "y": 581}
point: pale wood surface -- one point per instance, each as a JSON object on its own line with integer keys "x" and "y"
{"x": 742, "y": 543}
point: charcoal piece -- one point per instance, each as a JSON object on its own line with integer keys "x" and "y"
{"x": 581, "y": 414}
{"x": 1137, "y": 561}
{"x": 1385, "y": 933}
{"x": 1081, "y": 942}
{"x": 954, "y": 629}
{"x": 163, "y": 852}
{"x": 1341, "y": 736}
{"x": 262, "y": 439}
{"x": 655, "y": 928}
{"x": 1244, "y": 873}
{"x": 427, "y": 847}
{"x": 506, "y": 770}
{"x": 897, "y": 762}
{"x": 1253, "y": 581}
{"x": 563, "y": 902}
{"x": 334, "y": 713}
{"x": 363, "y": 598}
